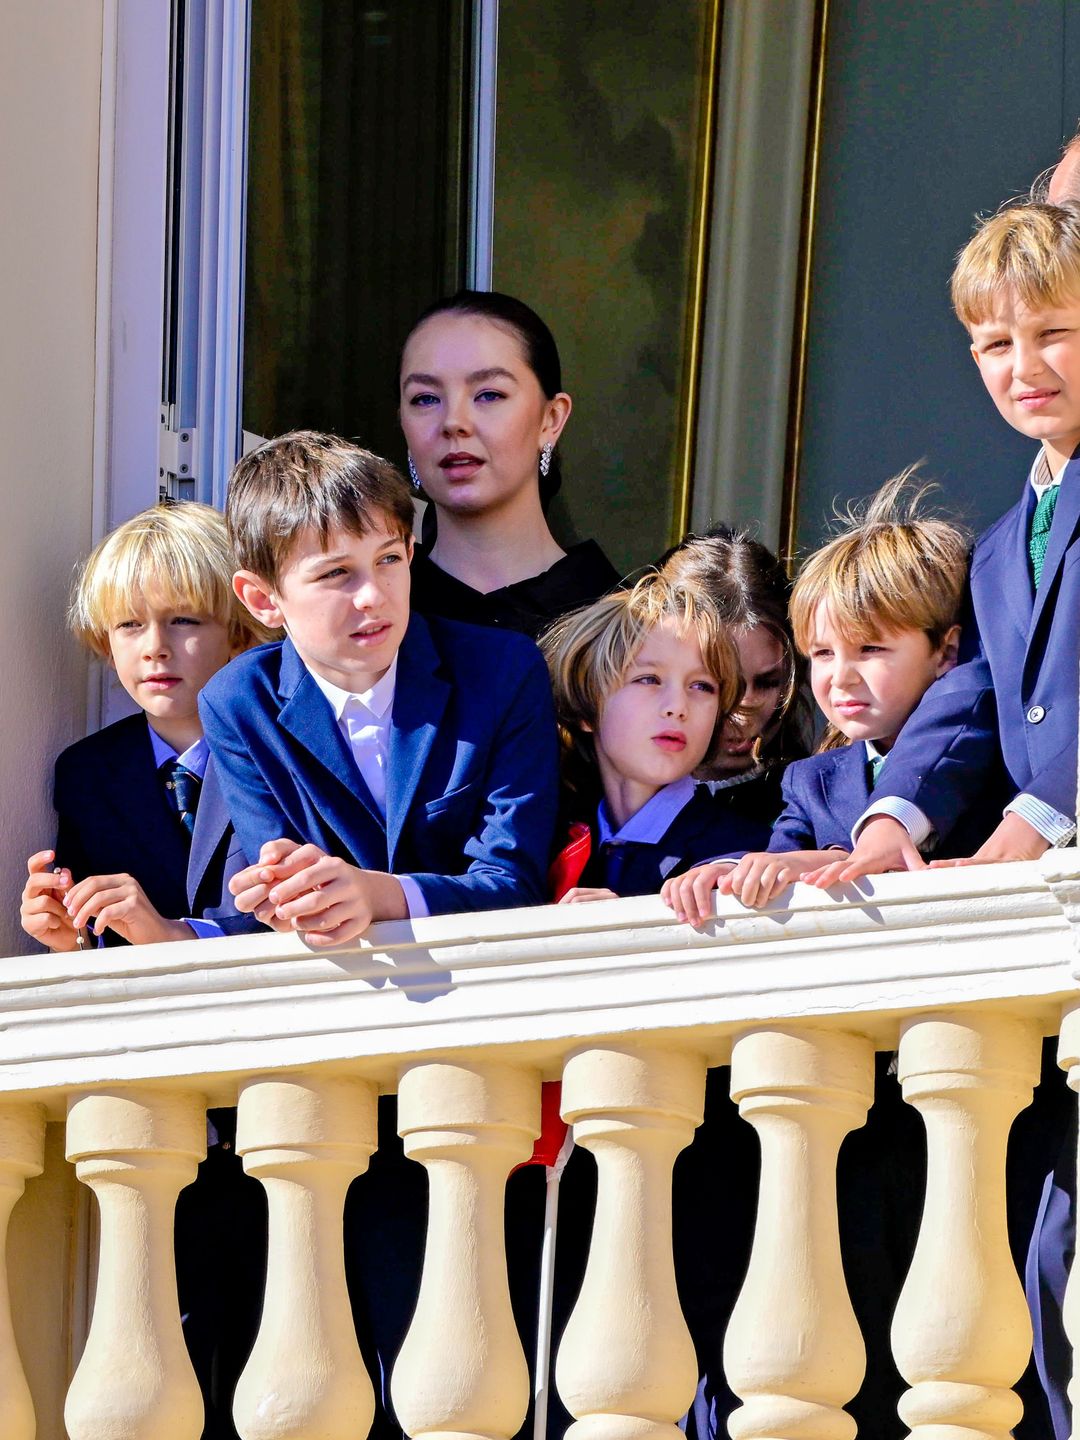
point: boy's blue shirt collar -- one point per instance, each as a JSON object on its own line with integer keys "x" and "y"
{"x": 651, "y": 823}
{"x": 194, "y": 758}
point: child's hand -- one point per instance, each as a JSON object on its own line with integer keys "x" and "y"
{"x": 323, "y": 897}
{"x": 883, "y": 845}
{"x": 690, "y": 895}
{"x": 119, "y": 903}
{"x": 1013, "y": 839}
{"x": 41, "y": 912}
{"x": 251, "y": 887}
{"x": 580, "y": 893}
{"x": 759, "y": 878}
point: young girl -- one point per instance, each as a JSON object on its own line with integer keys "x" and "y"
{"x": 876, "y": 612}
{"x": 644, "y": 681}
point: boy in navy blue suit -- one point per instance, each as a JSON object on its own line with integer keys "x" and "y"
{"x": 143, "y": 841}
{"x": 1016, "y": 288}
{"x": 644, "y": 680}
{"x": 875, "y": 610}
{"x": 377, "y": 765}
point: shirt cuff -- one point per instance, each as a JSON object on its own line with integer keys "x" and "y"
{"x": 204, "y": 929}
{"x": 414, "y": 897}
{"x": 1054, "y": 827}
{"x": 909, "y": 815}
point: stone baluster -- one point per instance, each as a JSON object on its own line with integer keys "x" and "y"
{"x": 136, "y": 1151}
{"x": 461, "y": 1370}
{"x": 306, "y": 1138}
{"x": 1069, "y": 1060}
{"x": 22, "y": 1140}
{"x": 961, "y": 1332}
{"x": 626, "y": 1367}
{"x": 793, "y": 1352}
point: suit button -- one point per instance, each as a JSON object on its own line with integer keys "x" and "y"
{"x": 1035, "y": 714}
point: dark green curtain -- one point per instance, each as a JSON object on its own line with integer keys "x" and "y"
{"x": 355, "y": 205}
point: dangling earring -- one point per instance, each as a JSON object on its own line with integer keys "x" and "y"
{"x": 545, "y": 458}
{"x": 414, "y": 474}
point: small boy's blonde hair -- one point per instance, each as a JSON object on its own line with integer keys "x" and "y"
{"x": 892, "y": 568}
{"x": 590, "y": 650}
{"x": 179, "y": 553}
{"x": 306, "y": 480}
{"x": 1030, "y": 252}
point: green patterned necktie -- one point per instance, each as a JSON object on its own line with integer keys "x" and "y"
{"x": 1041, "y": 522}
{"x": 876, "y": 762}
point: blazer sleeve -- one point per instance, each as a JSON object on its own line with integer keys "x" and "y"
{"x": 793, "y": 828}
{"x": 70, "y": 848}
{"x": 253, "y": 808}
{"x": 948, "y": 748}
{"x": 511, "y": 846}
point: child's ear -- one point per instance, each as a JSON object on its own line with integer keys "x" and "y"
{"x": 255, "y": 595}
{"x": 949, "y": 650}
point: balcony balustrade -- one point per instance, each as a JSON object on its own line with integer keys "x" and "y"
{"x": 963, "y": 972}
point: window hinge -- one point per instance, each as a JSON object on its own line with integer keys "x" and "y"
{"x": 176, "y": 449}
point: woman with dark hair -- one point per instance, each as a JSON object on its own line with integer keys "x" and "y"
{"x": 482, "y": 408}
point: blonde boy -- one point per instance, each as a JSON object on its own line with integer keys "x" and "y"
{"x": 644, "y": 680}
{"x": 143, "y": 834}
{"x": 875, "y": 611}
{"x": 1016, "y": 288}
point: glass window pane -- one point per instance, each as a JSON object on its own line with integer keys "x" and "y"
{"x": 598, "y": 181}
{"x": 355, "y": 204}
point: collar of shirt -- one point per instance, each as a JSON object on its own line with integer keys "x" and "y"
{"x": 376, "y": 701}
{"x": 872, "y": 752}
{"x": 652, "y": 822}
{"x": 1040, "y": 476}
{"x": 194, "y": 758}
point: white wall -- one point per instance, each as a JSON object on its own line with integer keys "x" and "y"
{"x": 50, "y": 76}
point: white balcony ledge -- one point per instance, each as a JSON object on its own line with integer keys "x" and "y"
{"x": 532, "y": 982}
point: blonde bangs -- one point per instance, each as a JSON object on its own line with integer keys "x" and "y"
{"x": 892, "y": 569}
{"x": 177, "y": 555}
{"x": 589, "y": 651}
{"x": 1030, "y": 253}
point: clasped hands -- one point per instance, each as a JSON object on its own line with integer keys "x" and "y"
{"x": 295, "y": 887}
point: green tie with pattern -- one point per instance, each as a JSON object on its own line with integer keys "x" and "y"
{"x": 876, "y": 762}
{"x": 1041, "y": 522}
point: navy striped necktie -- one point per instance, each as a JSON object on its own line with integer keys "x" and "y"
{"x": 183, "y": 787}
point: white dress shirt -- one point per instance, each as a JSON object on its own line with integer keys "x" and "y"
{"x": 363, "y": 718}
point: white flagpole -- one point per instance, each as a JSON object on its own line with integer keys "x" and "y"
{"x": 547, "y": 1288}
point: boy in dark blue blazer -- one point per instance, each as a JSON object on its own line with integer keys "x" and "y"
{"x": 144, "y": 846}
{"x": 376, "y": 765}
{"x": 644, "y": 680}
{"x": 875, "y": 611}
{"x": 1016, "y": 288}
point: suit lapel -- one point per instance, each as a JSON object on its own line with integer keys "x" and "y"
{"x": 1007, "y": 552}
{"x": 847, "y": 787}
{"x": 1066, "y": 519}
{"x": 346, "y": 802}
{"x": 211, "y": 823}
{"x": 132, "y": 791}
{"x": 420, "y": 698}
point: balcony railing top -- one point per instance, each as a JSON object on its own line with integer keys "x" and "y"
{"x": 534, "y": 982}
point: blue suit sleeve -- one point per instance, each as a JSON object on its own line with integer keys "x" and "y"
{"x": 792, "y": 828}
{"x": 948, "y": 748}
{"x": 255, "y": 812}
{"x": 510, "y": 851}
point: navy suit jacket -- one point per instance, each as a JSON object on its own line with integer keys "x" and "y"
{"x": 115, "y": 818}
{"x": 706, "y": 828}
{"x": 824, "y": 796}
{"x": 471, "y": 787}
{"x": 1026, "y": 648}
